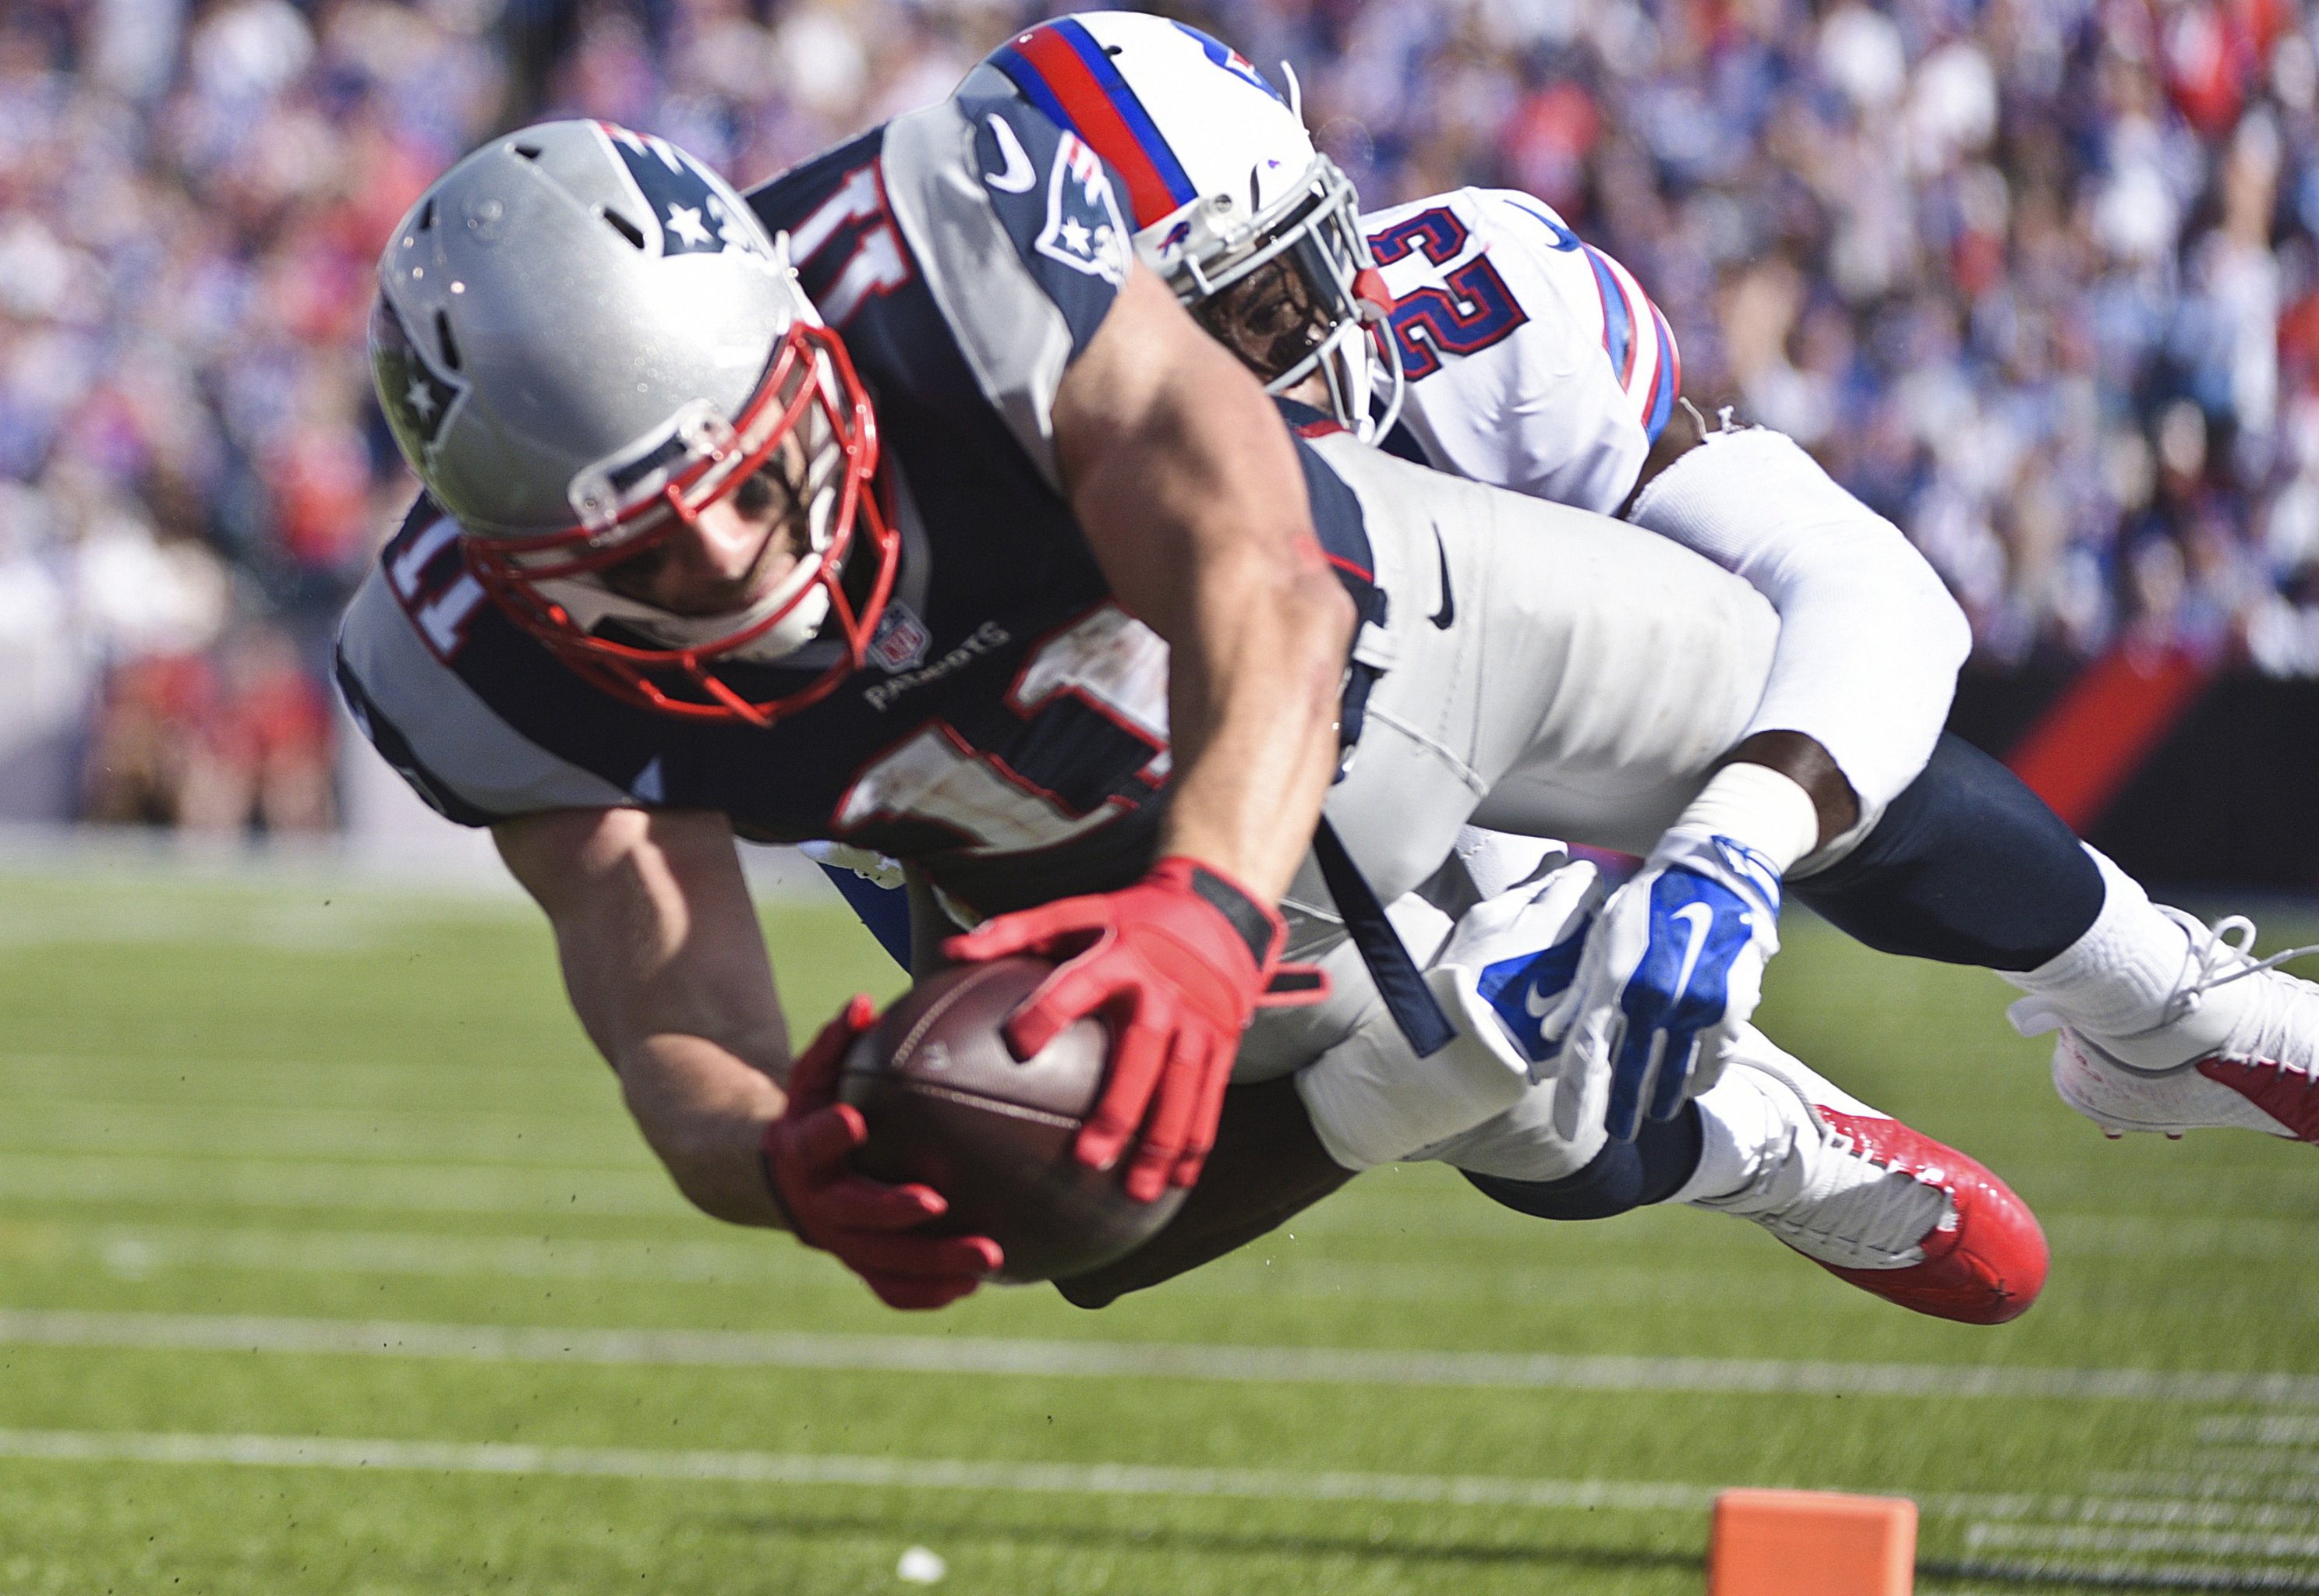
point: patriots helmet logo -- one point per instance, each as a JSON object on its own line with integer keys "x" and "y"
{"x": 419, "y": 398}
{"x": 1083, "y": 230}
{"x": 690, "y": 213}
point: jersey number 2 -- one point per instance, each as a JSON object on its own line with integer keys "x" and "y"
{"x": 1472, "y": 311}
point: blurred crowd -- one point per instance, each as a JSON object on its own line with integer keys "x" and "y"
{"x": 2034, "y": 277}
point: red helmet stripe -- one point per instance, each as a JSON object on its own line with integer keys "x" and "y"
{"x": 1091, "y": 114}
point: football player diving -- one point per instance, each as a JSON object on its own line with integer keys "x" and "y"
{"x": 1509, "y": 351}
{"x": 1476, "y": 332}
{"x": 960, "y": 542}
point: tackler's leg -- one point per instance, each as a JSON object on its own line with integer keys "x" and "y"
{"x": 1880, "y": 1205}
{"x": 2166, "y": 1023}
{"x": 1967, "y": 866}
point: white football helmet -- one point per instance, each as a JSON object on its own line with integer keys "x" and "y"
{"x": 1257, "y": 231}
{"x": 583, "y": 338}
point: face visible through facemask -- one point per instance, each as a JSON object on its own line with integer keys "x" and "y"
{"x": 745, "y": 557}
{"x": 1270, "y": 318}
{"x": 734, "y": 553}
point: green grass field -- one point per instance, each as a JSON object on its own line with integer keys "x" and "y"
{"x": 329, "y": 1263}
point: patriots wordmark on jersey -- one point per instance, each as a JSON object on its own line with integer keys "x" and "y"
{"x": 1009, "y": 727}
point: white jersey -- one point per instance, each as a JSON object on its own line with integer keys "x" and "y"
{"x": 1534, "y": 361}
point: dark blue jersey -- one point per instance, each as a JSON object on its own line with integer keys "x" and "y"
{"x": 1009, "y": 730}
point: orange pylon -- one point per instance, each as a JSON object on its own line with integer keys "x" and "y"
{"x": 1811, "y": 1543}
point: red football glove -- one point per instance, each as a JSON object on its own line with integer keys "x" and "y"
{"x": 870, "y": 1226}
{"x": 1176, "y": 964}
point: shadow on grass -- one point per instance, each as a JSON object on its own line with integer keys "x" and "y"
{"x": 1450, "y": 1553}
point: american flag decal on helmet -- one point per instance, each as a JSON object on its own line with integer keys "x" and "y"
{"x": 691, "y": 216}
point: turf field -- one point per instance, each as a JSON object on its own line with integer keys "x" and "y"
{"x": 329, "y": 1263}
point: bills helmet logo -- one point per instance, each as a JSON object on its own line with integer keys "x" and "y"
{"x": 1222, "y": 55}
{"x": 900, "y": 641}
{"x": 419, "y": 396}
{"x": 1084, "y": 230}
{"x": 689, "y": 213}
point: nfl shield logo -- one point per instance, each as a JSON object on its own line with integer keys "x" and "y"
{"x": 900, "y": 641}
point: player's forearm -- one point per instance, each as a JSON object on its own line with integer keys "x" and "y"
{"x": 703, "y": 1112}
{"x": 1189, "y": 489}
{"x": 1870, "y": 639}
{"x": 1253, "y": 708}
{"x": 1810, "y": 767}
{"x": 667, "y": 974}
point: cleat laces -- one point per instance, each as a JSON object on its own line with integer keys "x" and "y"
{"x": 2219, "y": 961}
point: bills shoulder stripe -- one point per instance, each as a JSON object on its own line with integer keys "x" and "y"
{"x": 1640, "y": 314}
{"x": 1669, "y": 384}
{"x": 1063, "y": 71}
{"x": 1618, "y": 323}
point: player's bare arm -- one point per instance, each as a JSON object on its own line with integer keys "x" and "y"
{"x": 1187, "y": 486}
{"x": 1188, "y": 490}
{"x": 1796, "y": 755}
{"x": 667, "y": 972}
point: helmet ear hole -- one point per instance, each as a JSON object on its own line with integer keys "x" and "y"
{"x": 443, "y": 336}
{"x": 624, "y": 227}
{"x": 426, "y": 216}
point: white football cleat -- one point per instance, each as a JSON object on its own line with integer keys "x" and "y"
{"x": 1870, "y": 1200}
{"x": 2238, "y": 1047}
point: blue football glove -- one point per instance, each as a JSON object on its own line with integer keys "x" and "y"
{"x": 1673, "y": 967}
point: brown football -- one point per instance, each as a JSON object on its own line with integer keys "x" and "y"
{"x": 946, "y": 1103}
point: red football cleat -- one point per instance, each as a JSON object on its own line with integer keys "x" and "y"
{"x": 1873, "y": 1203}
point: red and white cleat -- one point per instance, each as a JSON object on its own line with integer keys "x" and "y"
{"x": 1876, "y": 1203}
{"x": 2239, "y": 1047}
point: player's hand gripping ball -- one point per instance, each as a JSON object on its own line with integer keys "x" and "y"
{"x": 948, "y": 1108}
{"x": 881, "y": 1231}
{"x": 1174, "y": 965}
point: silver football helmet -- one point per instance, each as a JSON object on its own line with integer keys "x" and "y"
{"x": 583, "y": 338}
{"x": 1258, "y": 232}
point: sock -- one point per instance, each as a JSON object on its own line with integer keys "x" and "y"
{"x": 1741, "y": 1130}
{"x": 1654, "y": 1167}
{"x": 2114, "y": 980}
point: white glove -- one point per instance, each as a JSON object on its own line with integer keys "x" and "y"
{"x": 1674, "y": 966}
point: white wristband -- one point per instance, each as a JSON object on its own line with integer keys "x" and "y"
{"x": 1756, "y": 804}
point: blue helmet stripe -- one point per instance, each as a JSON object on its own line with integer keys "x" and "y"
{"x": 1130, "y": 109}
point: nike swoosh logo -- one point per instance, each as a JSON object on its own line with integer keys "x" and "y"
{"x": 1442, "y": 617}
{"x": 1699, "y": 920}
{"x": 1018, "y": 176}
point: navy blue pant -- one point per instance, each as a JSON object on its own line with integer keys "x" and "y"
{"x": 1967, "y": 866}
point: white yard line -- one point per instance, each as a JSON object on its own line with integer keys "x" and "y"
{"x": 2204, "y": 1543}
{"x": 2121, "y": 1576}
{"x": 2262, "y": 1429}
{"x": 2204, "y": 1484}
{"x": 137, "y": 1251}
{"x": 969, "y": 1355}
{"x": 2274, "y": 1463}
{"x": 1097, "y": 1479}
{"x": 369, "y": 1187}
